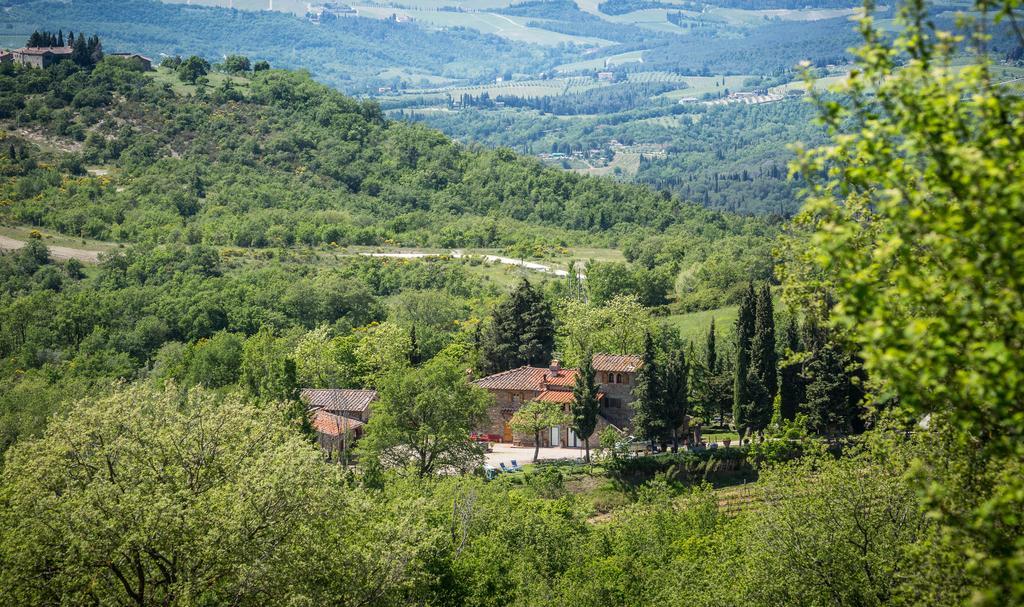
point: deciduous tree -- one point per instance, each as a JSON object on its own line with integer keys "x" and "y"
{"x": 536, "y": 416}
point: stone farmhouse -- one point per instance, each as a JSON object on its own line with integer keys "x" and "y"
{"x": 338, "y": 416}
{"x": 616, "y": 377}
{"x": 42, "y": 56}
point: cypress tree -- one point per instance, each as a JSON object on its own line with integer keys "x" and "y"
{"x": 584, "y": 407}
{"x": 830, "y": 406}
{"x": 745, "y": 321}
{"x": 677, "y": 393}
{"x": 80, "y": 51}
{"x": 648, "y": 419}
{"x": 791, "y": 388}
{"x": 414, "y": 349}
{"x": 763, "y": 360}
{"x": 71, "y": 39}
{"x": 711, "y": 351}
{"x": 60, "y": 37}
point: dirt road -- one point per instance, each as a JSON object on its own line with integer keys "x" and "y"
{"x": 58, "y": 253}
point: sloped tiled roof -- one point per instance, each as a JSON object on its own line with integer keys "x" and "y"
{"x": 42, "y": 50}
{"x": 617, "y": 363}
{"x": 559, "y": 396}
{"x": 527, "y": 378}
{"x": 334, "y": 425}
{"x": 336, "y": 399}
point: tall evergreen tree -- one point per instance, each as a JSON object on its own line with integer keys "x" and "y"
{"x": 80, "y": 51}
{"x": 584, "y": 407}
{"x": 676, "y": 403}
{"x": 414, "y": 349}
{"x": 763, "y": 360}
{"x": 648, "y": 418}
{"x": 521, "y": 332}
{"x": 831, "y": 405}
{"x": 71, "y": 39}
{"x": 60, "y": 37}
{"x": 791, "y": 387}
{"x": 711, "y": 351}
{"x": 745, "y": 322}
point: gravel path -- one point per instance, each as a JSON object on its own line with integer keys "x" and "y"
{"x": 58, "y": 253}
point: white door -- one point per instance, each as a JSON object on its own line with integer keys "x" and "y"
{"x": 554, "y": 436}
{"x": 572, "y": 440}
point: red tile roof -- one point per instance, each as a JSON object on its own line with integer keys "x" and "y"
{"x": 559, "y": 396}
{"x": 42, "y": 50}
{"x": 334, "y": 400}
{"x": 334, "y": 425}
{"x": 555, "y": 396}
{"x": 527, "y": 379}
{"x": 617, "y": 363}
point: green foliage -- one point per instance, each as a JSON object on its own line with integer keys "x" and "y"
{"x": 911, "y": 225}
{"x": 649, "y": 418}
{"x": 192, "y": 69}
{"x": 536, "y": 416}
{"x": 150, "y": 505}
{"x": 605, "y": 281}
{"x": 585, "y": 406}
{"x": 423, "y": 419}
{"x": 745, "y": 324}
{"x": 617, "y": 327}
{"x": 521, "y": 331}
{"x": 234, "y": 64}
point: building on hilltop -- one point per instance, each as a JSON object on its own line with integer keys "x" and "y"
{"x": 41, "y": 56}
{"x": 144, "y": 62}
{"x": 615, "y": 377}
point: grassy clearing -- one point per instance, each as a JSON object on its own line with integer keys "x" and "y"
{"x": 55, "y": 239}
{"x": 697, "y": 86}
{"x": 164, "y": 75}
{"x": 624, "y": 164}
{"x": 694, "y": 325}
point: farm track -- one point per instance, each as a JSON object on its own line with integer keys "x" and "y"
{"x": 58, "y": 253}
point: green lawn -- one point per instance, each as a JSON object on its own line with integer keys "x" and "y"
{"x": 694, "y": 325}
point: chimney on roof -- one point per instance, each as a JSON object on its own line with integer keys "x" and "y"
{"x": 555, "y": 366}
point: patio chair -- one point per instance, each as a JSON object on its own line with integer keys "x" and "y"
{"x": 504, "y": 468}
{"x": 515, "y": 466}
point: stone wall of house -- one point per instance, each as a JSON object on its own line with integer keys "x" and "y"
{"x": 497, "y": 414}
{"x": 623, "y": 391}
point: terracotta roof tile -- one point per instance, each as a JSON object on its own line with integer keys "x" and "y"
{"x": 334, "y": 425}
{"x": 42, "y": 50}
{"x": 528, "y": 379}
{"x": 335, "y": 399}
{"x": 617, "y": 363}
{"x": 555, "y": 396}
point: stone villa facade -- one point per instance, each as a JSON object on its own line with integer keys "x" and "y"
{"x": 616, "y": 377}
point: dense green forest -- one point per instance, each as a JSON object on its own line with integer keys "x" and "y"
{"x": 731, "y": 157}
{"x": 864, "y": 410}
{"x": 285, "y": 160}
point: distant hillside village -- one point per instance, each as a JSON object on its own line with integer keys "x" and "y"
{"x": 44, "y": 49}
